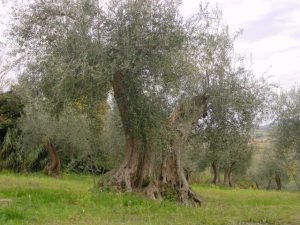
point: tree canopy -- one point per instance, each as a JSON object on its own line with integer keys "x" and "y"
{"x": 164, "y": 77}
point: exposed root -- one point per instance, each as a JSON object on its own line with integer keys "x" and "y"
{"x": 136, "y": 174}
{"x": 194, "y": 197}
{"x": 153, "y": 192}
{"x": 119, "y": 179}
{"x": 183, "y": 195}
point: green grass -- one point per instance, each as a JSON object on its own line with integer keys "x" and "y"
{"x": 73, "y": 199}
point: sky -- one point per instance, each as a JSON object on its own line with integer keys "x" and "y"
{"x": 270, "y": 41}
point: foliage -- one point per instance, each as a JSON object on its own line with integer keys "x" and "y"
{"x": 11, "y": 156}
{"x": 144, "y": 52}
{"x": 97, "y": 79}
{"x": 286, "y": 132}
{"x": 84, "y": 45}
{"x": 11, "y": 108}
{"x": 277, "y": 162}
{"x": 265, "y": 167}
{"x": 288, "y": 122}
{"x": 63, "y": 66}
{"x": 4, "y": 81}
{"x": 237, "y": 102}
{"x": 71, "y": 133}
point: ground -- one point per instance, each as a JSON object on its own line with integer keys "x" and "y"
{"x": 74, "y": 199}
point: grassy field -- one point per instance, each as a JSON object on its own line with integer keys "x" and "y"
{"x": 73, "y": 199}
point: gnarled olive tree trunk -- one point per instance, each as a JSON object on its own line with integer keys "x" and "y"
{"x": 144, "y": 169}
{"x": 140, "y": 172}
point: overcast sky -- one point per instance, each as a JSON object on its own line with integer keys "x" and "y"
{"x": 271, "y": 37}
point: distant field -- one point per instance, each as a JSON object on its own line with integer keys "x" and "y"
{"x": 73, "y": 199}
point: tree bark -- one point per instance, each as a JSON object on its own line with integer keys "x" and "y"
{"x": 53, "y": 166}
{"x": 228, "y": 175}
{"x": 187, "y": 173}
{"x": 137, "y": 173}
{"x": 269, "y": 184}
{"x": 156, "y": 174}
{"x": 230, "y": 182}
{"x": 216, "y": 178}
{"x": 278, "y": 181}
{"x": 172, "y": 173}
{"x": 257, "y": 184}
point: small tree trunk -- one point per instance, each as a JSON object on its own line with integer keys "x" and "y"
{"x": 226, "y": 177}
{"x": 269, "y": 184}
{"x": 216, "y": 178}
{"x": 219, "y": 177}
{"x": 53, "y": 166}
{"x": 230, "y": 182}
{"x": 187, "y": 173}
{"x": 257, "y": 184}
{"x": 278, "y": 181}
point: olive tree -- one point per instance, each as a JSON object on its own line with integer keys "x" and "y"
{"x": 65, "y": 136}
{"x": 267, "y": 170}
{"x": 4, "y": 81}
{"x": 237, "y": 100}
{"x": 286, "y": 132}
{"x": 146, "y": 55}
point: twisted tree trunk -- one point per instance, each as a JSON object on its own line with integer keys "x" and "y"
{"x": 228, "y": 175}
{"x": 156, "y": 174}
{"x": 215, "y": 168}
{"x": 53, "y": 166}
